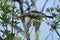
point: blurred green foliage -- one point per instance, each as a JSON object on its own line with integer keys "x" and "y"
{"x": 36, "y": 22}
{"x": 50, "y": 9}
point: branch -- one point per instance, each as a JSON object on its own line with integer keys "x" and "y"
{"x": 21, "y": 6}
{"x": 44, "y": 6}
{"x": 57, "y": 32}
{"x": 32, "y": 13}
{"x": 48, "y": 35}
{"x": 28, "y": 8}
{"x": 32, "y": 4}
{"x": 18, "y": 28}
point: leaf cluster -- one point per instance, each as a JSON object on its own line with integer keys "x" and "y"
{"x": 50, "y": 9}
{"x": 36, "y": 22}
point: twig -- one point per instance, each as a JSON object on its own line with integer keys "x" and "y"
{"x": 44, "y": 6}
{"x": 57, "y": 32}
{"x": 52, "y": 34}
{"x": 48, "y": 35}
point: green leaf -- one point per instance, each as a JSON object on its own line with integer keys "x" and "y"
{"x": 19, "y": 30}
{"x": 6, "y": 32}
{"x": 51, "y": 29}
{"x": 58, "y": 9}
{"x": 47, "y": 10}
{"x": 36, "y": 22}
{"x": 52, "y": 9}
{"x": 1, "y": 18}
{"x": 2, "y": 7}
{"x": 54, "y": 15}
{"x": 11, "y": 36}
{"x": 17, "y": 10}
{"x": 1, "y": 31}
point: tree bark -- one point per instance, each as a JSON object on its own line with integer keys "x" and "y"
{"x": 26, "y": 29}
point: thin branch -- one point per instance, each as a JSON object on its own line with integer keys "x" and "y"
{"x": 57, "y": 32}
{"x": 28, "y": 8}
{"x": 44, "y": 6}
{"x": 27, "y": 3}
{"x": 54, "y": 2}
{"x": 18, "y": 28}
{"x": 3, "y": 26}
{"x": 55, "y": 28}
{"x": 21, "y": 6}
{"x": 12, "y": 18}
{"x": 32, "y": 4}
{"x": 48, "y": 35}
{"x": 52, "y": 34}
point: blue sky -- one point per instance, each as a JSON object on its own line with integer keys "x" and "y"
{"x": 44, "y": 28}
